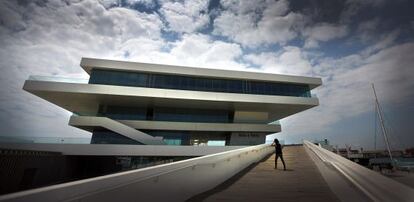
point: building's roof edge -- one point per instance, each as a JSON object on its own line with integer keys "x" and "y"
{"x": 89, "y": 63}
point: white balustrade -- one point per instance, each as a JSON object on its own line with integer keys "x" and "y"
{"x": 175, "y": 181}
{"x": 374, "y": 185}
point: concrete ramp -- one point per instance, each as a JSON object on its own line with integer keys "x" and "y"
{"x": 313, "y": 174}
{"x": 301, "y": 182}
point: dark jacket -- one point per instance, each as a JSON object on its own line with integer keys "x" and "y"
{"x": 278, "y": 149}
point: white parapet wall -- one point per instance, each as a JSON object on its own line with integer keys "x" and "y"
{"x": 121, "y": 149}
{"x": 374, "y": 185}
{"x": 176, "y": 181}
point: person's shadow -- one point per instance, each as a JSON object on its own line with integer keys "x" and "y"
{"x": 281, "y": 169}
{"x": 226, "y": 184}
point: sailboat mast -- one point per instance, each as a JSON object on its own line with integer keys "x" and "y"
{"x": 375, "y": 124}
{"x": 384, "y": 131}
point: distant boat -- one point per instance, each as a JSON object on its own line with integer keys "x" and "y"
{"x": 384, "y": 131}
{"x": 405, "y": 164}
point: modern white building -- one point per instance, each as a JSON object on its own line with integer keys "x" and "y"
{"x": 152, "y": 104}
{"x": 131, "y": 107}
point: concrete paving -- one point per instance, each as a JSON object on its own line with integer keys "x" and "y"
{"x": 261, "y": 182}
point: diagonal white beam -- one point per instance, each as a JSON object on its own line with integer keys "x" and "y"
{"x": 115, "y": 126}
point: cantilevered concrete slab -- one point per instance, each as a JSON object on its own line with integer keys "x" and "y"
{"x": 89, "y": 123}
{"x": 90, "y": 63}
{"x": 84, "y": 99}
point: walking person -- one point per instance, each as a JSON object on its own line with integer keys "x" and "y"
{"x": 278, "y": 151}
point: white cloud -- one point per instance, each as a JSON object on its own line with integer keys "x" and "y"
{"x": 198, "y": 50}
{"x": 243, "y": 6}
{"x": 347, "y": 93}
{"x": 291, "y": 60}
{"x": 353, "y": 7}
{"x": 50, "y": 40}
{"x": 384, "y": 41}
{"x": 109, "y": 3}
{"x": 366, "y": 30}
{"x": 113, "y": 3}
{"x": 144, "y": 2}
{"x": 323, "y": 32}
{"x": 243, "y": 23}
{"x": 186, "y": 16}
{"x": 256, "y": 23}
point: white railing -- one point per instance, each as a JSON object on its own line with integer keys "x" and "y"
{"x": 374, "y": 185}
{"x": 117, "y": 127}
{"x": 175, "y": 181}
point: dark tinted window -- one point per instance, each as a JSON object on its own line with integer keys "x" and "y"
{"x": 197, "y": 83}
{"x": 123, "y": 113}
{"x": 103, "y": 136}
{"x": 191, "y": 115}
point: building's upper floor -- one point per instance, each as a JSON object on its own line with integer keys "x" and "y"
{"x": 140, "y": 91}
{"x": 197, "y": 79}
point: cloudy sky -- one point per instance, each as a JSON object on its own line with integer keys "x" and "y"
{"x": 348, "y": 43}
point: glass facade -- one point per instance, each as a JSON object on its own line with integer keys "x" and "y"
{"x": 118, "y": 78}
{"x": 211, "y": 138}
{"x": 123, "y": 113}
{"x": 150, "y": 80}
{"x": 216, "y": 143}
{"x": 171, "y": 137}
{"x": 191, "y": 115}
{"x": 172, "y": 141}
{"x": 103, "y": 136}
{"x": 166, "y": 114}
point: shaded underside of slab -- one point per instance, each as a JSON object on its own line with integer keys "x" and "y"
{"x": 301, "y": 182}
